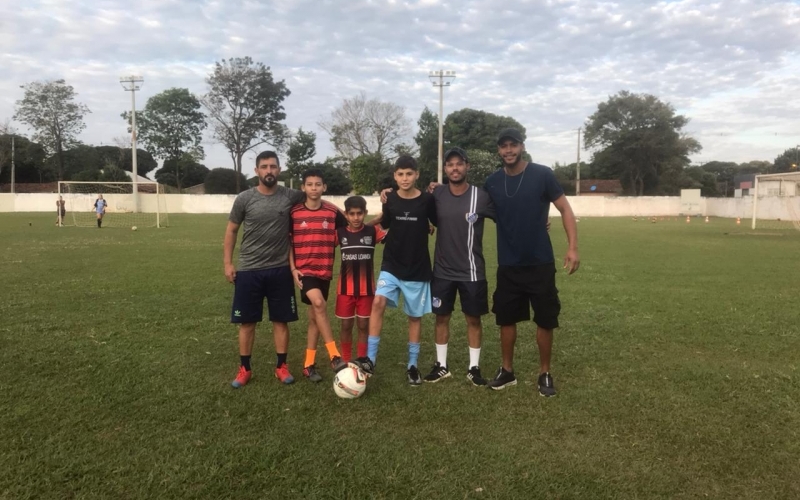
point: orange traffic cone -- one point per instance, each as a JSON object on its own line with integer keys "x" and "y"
{"x": 738, "y": 221}
{"x": 688, "y": 220}
{"x": 706, "y": 218}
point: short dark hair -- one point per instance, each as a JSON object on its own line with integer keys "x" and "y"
{"x": 355, "y": 202}
{"x": 264, "y": 155}
{"x": 312, "y": 172}
{"x": 405, "y": 161}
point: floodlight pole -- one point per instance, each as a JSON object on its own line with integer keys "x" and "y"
{"x": 12, "y": 164}
{"x": 441, "y": 79}
{"x": 578, "y": 174}
{"x": 132, "y": 84}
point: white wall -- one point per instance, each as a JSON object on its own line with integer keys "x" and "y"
{"x": 584, "y": 206}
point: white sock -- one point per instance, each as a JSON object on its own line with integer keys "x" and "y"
{"x": 474, "y": 357}
{"x": 441, "y": 354}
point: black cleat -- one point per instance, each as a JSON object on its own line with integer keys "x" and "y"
{"x": 502, "y": 380}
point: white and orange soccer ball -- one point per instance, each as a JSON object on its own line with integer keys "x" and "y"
{"x": 350, "y": 382}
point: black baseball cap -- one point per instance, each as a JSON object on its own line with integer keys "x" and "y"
{"x": 456, "y": 151}
{"x": 510, "y": 133}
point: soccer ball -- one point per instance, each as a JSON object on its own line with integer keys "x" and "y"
{"x": 350, "y": 382}
{"x": 133, "y": 228}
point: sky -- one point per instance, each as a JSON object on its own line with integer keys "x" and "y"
{"x": 732, "y": 67}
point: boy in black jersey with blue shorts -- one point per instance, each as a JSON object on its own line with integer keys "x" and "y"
{"x": 406, "y": 266}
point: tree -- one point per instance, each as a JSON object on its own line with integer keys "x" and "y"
{"x": 789, "y": 161}
{"x": 145, "y": 163}
{"x": 475, "y": 129}
{"x": 427, "y": 141}
{"x": 245, "y": 107}
{"x": 368, "y": 173}
{"x": 366, "y": 127}
{"x": 638, "y": 138}
{"x": 170, "y": 126}
{"x": 49, "y": 109}
{"x": 302, "y": 150}
{"x": 482, "y": 164}
{"x": 183, "y": 171}
{"x": 224, "y": 181}
{"x": 29, "y": 160}
{"x": 337, "y": 181}
{"x": 112, "y": 173}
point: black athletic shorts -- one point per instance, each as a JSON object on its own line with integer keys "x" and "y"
{"x": 474, "y": 296}
{"x": 311, "y": 282}
{"x": 252, "y": 287}
{"x": 521, "y": 287}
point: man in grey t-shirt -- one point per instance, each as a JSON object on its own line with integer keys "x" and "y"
{"x": 263, "y": 264}
{"x": 459, "y": 266}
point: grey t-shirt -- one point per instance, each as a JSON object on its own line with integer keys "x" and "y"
{"x": 459, "y": 240}
{"x": 265, "y": 219}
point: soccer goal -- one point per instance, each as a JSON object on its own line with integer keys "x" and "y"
{"x": 776, "y": 201}
{"x": 145, "y": 208}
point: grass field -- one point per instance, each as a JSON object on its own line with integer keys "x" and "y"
{"x": 677, "y": 369}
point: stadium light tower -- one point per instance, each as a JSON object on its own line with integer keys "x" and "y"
{"x": 131, "y": 84}
{"x": 441, "y": 79}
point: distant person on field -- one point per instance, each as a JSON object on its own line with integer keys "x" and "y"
{"x": 313, "y": 225}
{"x": 61, "y": 210}
{"x": 522, "y": 193}
{"x": 263, "y": 264}
{"x": 356, "y": 288}
{"x": 406, "y": 266}
{"x": 100, "y": 209}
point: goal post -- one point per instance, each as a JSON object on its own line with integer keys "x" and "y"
{"x": 776, "y": 201}
{"x": 145, "y": 207}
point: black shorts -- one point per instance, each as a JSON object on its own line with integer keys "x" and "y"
{"x": 474, "y": 296}
{"x": 312, "y": 282}
{"x": 521, "y": 287}
{"x": 250, "y": 289}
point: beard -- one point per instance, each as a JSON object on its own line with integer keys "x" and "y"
{"x": 460, "y": 180}
{"x": 269, "y": 181}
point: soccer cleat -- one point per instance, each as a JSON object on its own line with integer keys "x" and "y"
{"x": 242, "y": 378}
{"x": 502, "y": 380}
{"x": 366, "y": 365}
{"x": 310, "y": 372}
{"x": 413, "y": 375}
{"x": 438, "y": 372}
{"x": 546, "y": 387}
{"x": 474, "y": 376}
{"x": 337, "y": 363}
{"x": 283, "y": 374}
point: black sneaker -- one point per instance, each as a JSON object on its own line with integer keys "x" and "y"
{"x": 413, "y": 376}
{"x": 337, "y": 364}
{"x": 366, "y": 365}
{"x": 438, "y": 372}
{"x": 474, "y": 376}
{"x": 310, "y": 372}
{"x": 546, "y": 387}
{"x": 502, "y": 380}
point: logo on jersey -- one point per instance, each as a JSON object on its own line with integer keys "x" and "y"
{"x": 237, "y": 313}
{"x": 366, "y": 240}
{"x": 381, "y": 283}
{"x": 344, "y": 241}
{"x": 405, "y": 217}
{"x": 324, "y": 224}
{"x": 472, "y": 218}
{"x": 303, "y": 224}
{"x": 437, "y": 302}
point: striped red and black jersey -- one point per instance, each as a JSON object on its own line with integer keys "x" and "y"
{"x": 314, "y": 238}
{"x": 358, "y": 248}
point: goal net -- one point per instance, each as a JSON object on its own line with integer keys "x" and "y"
{"x": 776, "y": 201}
{"x": 146, "y": 208}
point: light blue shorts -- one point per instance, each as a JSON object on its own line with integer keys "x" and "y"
{"x": 416, "y": 294}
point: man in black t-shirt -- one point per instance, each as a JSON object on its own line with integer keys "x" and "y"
{"x": 406, "y": 266}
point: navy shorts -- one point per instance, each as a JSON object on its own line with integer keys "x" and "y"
{"x": 312, "y": 282}
{"x": 474, "y": 296}
{"x": 520, "y": 288}
{"x": 252, "y": 287}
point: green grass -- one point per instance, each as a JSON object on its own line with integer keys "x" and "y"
{"x": 676, "y": 364}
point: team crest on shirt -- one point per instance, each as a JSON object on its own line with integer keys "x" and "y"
{"x": 344, "y": 241}
{"x": 381, "y": 283}
{"x": 472, "y": 218}
{"x": 303, "y": 224}
{"x": 366, "y": 240}
{"x": 324, "y": 224}
{"x": 436, "y": 302}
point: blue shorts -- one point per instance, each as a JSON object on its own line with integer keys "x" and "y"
{"x": 416, "y": 294}
{"x": 252, "y": 287}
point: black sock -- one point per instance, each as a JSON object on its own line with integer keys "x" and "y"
{"x": 246, "y": 362}
{"x": 281, "y": 359}
{"x": 98, "y": 222}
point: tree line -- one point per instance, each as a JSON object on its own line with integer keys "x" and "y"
{"x": 634, "y": 138}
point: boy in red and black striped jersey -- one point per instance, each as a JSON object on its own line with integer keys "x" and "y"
{"x": 314, "y": 225}
{"x": 356, "y": 288}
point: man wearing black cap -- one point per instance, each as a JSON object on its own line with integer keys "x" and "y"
{"x": 459, "y": 267}
{"x": 522, "y": 193}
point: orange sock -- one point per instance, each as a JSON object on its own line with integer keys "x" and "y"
{"x": 311, "y": 357}
{"x": 332, "y": 350}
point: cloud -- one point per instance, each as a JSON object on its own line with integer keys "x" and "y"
{"x": 728, "y": 65}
